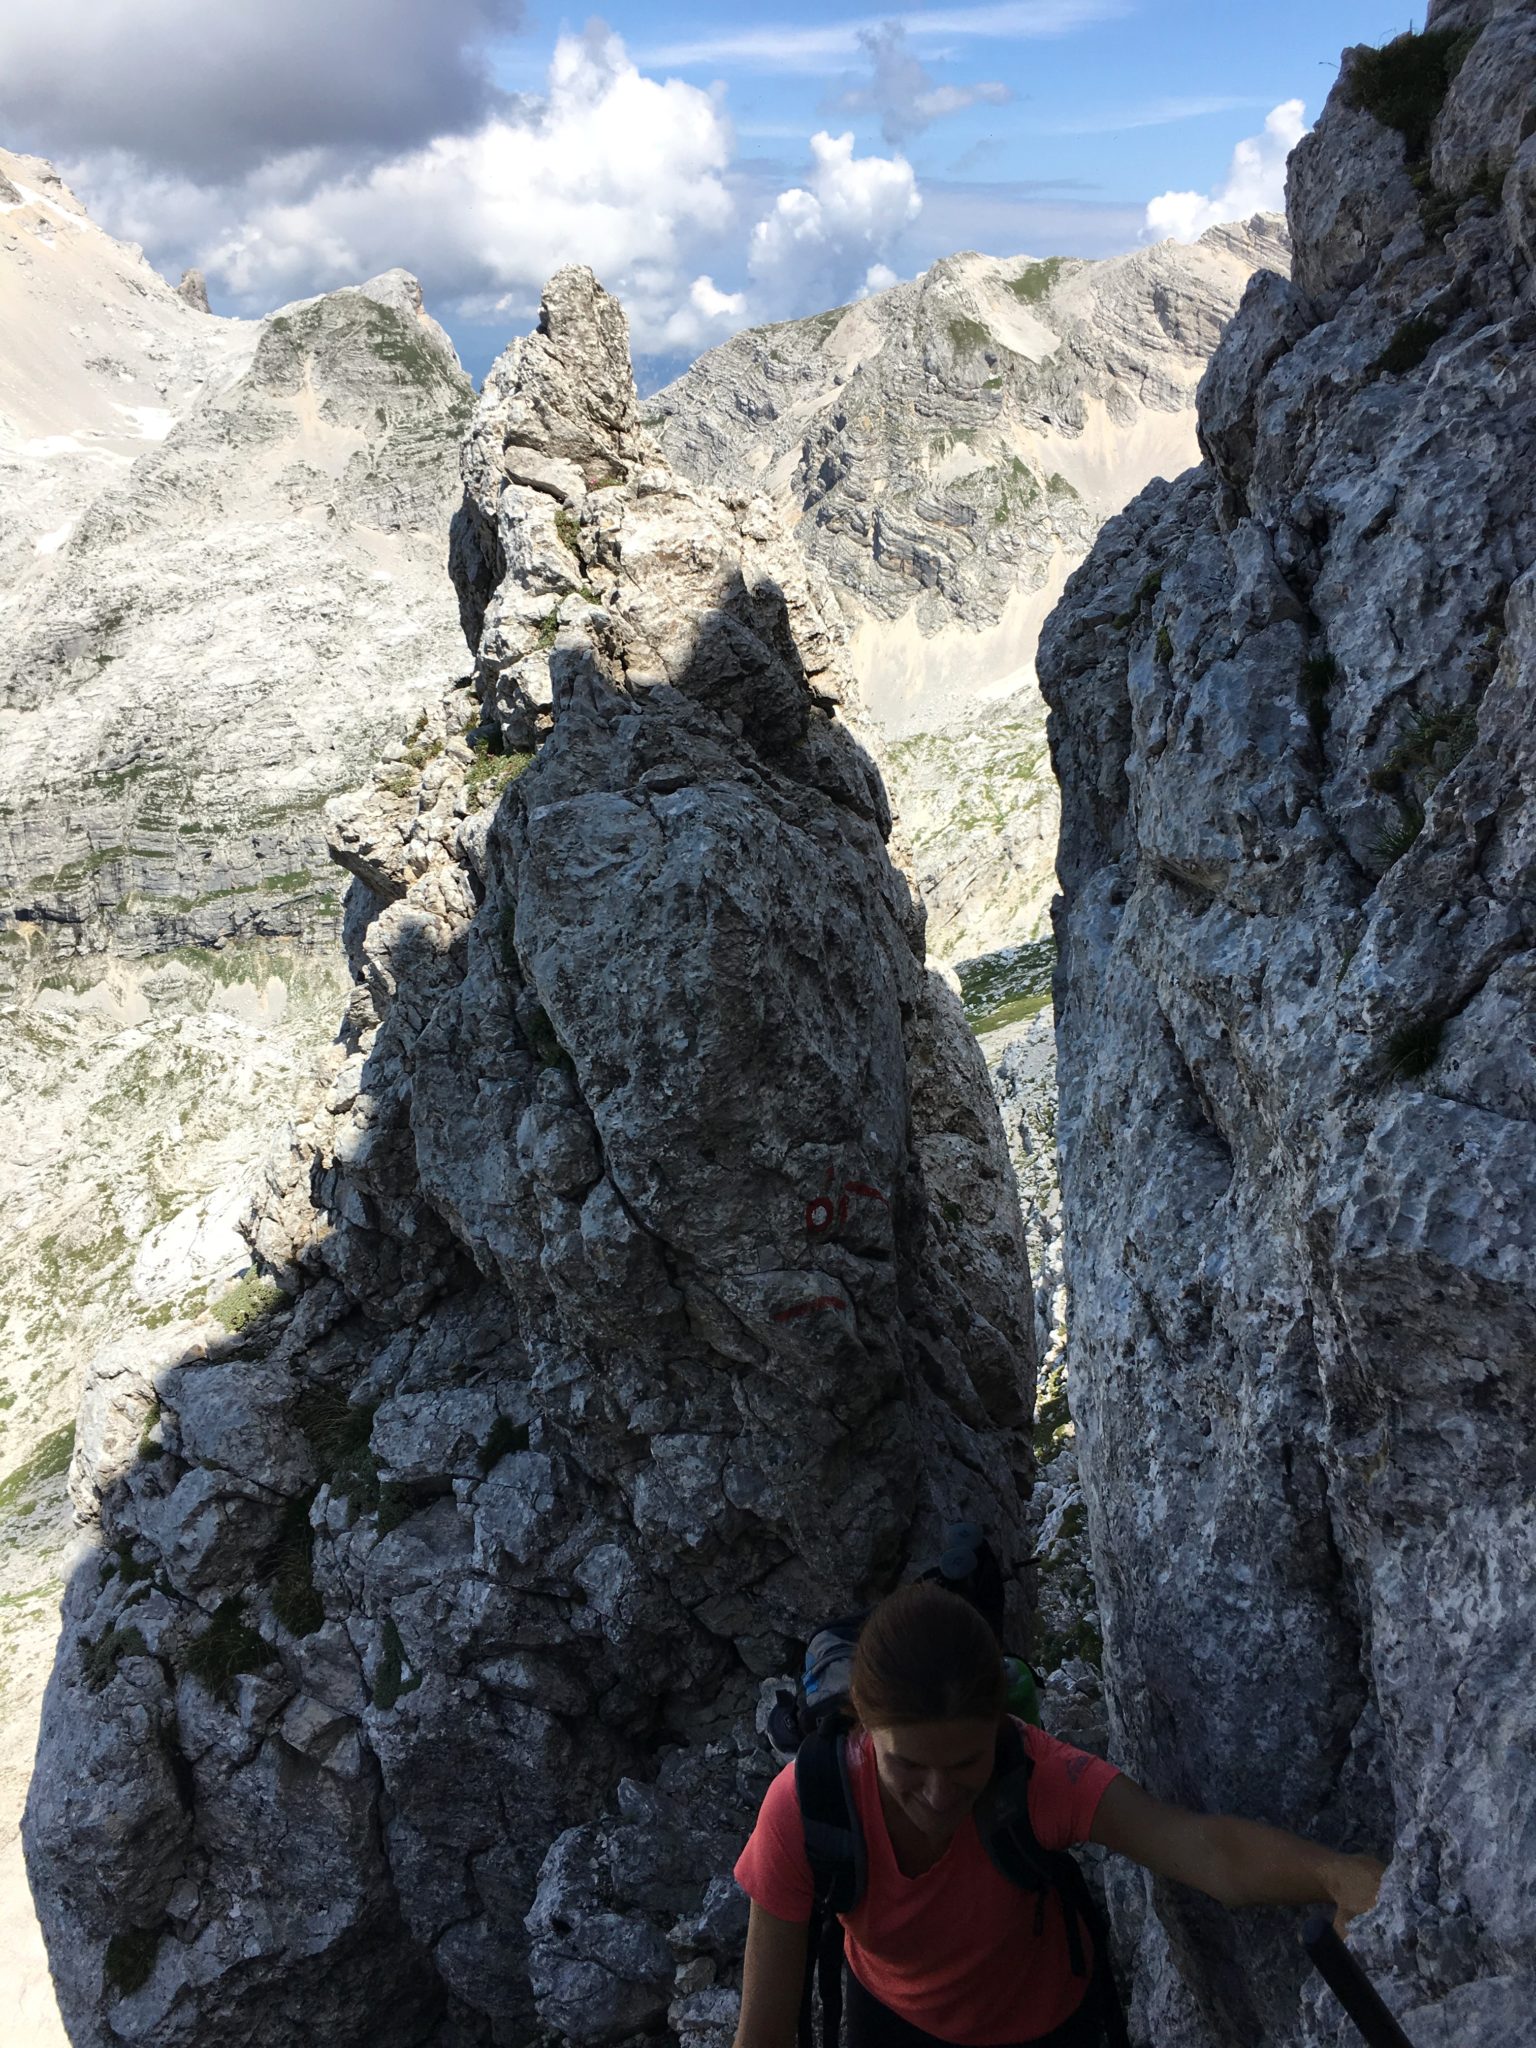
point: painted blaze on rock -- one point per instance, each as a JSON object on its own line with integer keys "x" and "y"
{"x": 656, "y": 1282}
{"x": 1291, "y": 717}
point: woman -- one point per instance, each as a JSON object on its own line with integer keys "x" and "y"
{"x": 942, "y": 1950}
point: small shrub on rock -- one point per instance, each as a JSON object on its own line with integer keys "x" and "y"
{"x": 1413, "y": 1048}
{"x": 130, "y": 1958}
{"x": 1403, "y": 85}
{"x": 226, "y": 1647}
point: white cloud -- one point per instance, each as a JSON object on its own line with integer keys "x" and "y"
{"x": 610, "y": 168}
{"x": 822, "y": 47}
{"x": 1155, "y": 114}
{"x": 1255, "y": 182}
{"x": 709, "y": 315}
{"x": 806, "y": 251}
{"x": 215, "y": 90}
{"x": 901, "y": 89}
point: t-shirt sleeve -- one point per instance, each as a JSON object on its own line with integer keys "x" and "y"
{"x": 772, "y": 1869}
{"x": 1064, "y": 1789}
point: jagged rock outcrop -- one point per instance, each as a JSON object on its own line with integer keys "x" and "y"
{"x": 194, "y": 289}
{"x": 947, "y": 451}
{"x": 1291, "y": 718}
{"x": 655, "y": 1280}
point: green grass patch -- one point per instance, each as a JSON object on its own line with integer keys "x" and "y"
{"x": 1408, "y": 347}
{"x": 1435, "y": 741}
{"x": 1058, "y": 487}
{"x": 1007, "y": 986}
{"x": 1164, "y": 646}
{"x": 122, "y": 1564}
{"x": 49, "y": 1461}
{"x": 99, "y": 1660}
{"x": 489, "y": 773}
{"x": 246, "y": 1302}
{"x": 549, "y": 628}
{"x": 968, "y": 335}
{"x": 339, "y": 1432}
{"x": 1053, "y": 1416}
{"x": 568, "y": 528}
{"x": 1404, "y": 830}
{"x": 1036, "y": 281}
{"x": 290, "y": 1568}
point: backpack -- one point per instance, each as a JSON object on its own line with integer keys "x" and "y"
{"x": 813, "y": 1726}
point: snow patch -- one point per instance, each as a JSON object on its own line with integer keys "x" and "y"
{"x": 154, "y": 422}
{"x": 50, "y": 543}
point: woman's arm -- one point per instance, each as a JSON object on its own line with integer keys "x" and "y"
{"x": 1235, "y": 1862}
{"x": 771, "y": 1981}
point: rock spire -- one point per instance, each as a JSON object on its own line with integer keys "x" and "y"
{"x": 653, "y": 1281}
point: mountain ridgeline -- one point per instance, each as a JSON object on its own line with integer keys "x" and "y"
{"x": 946, "y": 451}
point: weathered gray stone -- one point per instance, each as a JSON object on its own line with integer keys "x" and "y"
{"x": 1293, "y": 1006}
{"x": 629, "y": 1330}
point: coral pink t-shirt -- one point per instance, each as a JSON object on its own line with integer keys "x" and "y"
{"x": 954, "y": 1951}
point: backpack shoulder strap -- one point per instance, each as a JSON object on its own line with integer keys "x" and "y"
{"x": 829, "y": 1817}
{"x": 1008, "y": 1836}
{"x": 1002, "y": 1816}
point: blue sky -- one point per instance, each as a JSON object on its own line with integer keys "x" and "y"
{"x": 717, "y": 169}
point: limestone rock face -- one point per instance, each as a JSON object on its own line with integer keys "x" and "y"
{"x": 1291, "y": 718}
{"x": 220, "y": 581}
{"x": 655, "y": 1282}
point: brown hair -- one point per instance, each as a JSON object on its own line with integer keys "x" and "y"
{"x": 925, "y": 1654}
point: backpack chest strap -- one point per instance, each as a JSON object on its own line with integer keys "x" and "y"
{"x": 829, "y": 1820}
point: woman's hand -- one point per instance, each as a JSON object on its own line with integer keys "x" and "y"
{"x": 1354, "y": 1883}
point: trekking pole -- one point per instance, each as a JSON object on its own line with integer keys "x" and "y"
{"x": 1350, "y": 1985}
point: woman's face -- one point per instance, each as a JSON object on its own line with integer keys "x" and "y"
{"x": 934, "y": 1771}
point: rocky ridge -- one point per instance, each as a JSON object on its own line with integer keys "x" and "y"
{"x": 237, "y": 619}
{"x": 947, "y": 451}
{"x": 1290, "y": 714}
{"x": 649, "y": 1284}
{"x": 950, "y": 446}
